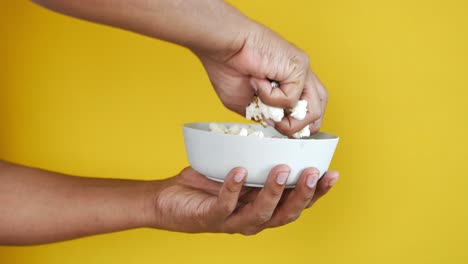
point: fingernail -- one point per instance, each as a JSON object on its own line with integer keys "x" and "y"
{"x": 332, "y": 182}
{"x": 254, "y": 85}
{"x": 238, "y": 177}
{"x": 311, "y": 180}
{"x": 282, "y": 177}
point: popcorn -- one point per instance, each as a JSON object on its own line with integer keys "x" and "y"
{"x": 233, "y": 130}
{"x": 218, "y": 128}
{"x": 236, "y": 130}
{"x": 300, "y": 110}
{"x": 258, "y": 134}
{"x": 305, "y": 132}
{"x": 243, "y": 132}
{"x": 253, "y": 111}
{"x": 258, "y": 111}
{"x": 249, "y": 131}
{"x": 271, "y": 112}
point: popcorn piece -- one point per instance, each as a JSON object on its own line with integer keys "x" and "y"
{"x": 257, "y": 110}
{"x": 257, "y": 134}
{"x": 252, "y": 111}
{"x": 271, "y": 112}
{"x": 300, "y": 110}
{"x": 243, "y": 132}
{"x": 218, "y": 128}
{"x": 236, "y": 130}
{"x": 305, "y": 132}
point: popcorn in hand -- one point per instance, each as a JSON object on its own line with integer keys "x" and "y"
{"x": 305, "y": 132}
{"x": 300, "y": 110}
{"x": 258, "y": 111}
{"x": 271, "y": 112}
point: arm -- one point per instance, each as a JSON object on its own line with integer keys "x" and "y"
{"x": 239, "y": 55}
{"x": 208, "y": 25}
{"x": 38, "y": 206}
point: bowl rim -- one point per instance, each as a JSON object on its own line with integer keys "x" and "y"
{"x": 328, "y": 136}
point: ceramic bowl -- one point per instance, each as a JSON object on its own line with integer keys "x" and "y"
{"x": 214, "y": 154}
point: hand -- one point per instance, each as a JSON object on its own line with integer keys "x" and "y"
{"x": 240, "y": 55}
{"x": 190, "y": 202}
{"x": 265, "y": 56}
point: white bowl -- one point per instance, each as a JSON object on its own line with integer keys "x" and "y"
{"x": 214, "y": 154}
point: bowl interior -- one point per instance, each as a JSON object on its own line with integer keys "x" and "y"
{"x": 267, "y": 131}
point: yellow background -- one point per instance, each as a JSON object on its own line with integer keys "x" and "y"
{"x": 86, "y": 99}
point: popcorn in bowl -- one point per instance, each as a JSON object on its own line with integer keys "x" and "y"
{"x": 240, "y": 130}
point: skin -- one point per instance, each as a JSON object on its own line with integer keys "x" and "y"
{"x": 40, "y": 206}
{"x": 240, "y": 57}
{"x": 239, "y": 54}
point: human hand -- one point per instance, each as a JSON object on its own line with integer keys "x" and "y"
{"x": 265, "y": 56}
{"x": 190, "y": 202}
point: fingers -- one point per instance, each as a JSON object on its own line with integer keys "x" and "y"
{"x": 324, "y": 185}
{"x": 285, "y": 97}
{"x": 248, "y": 219}
{"x": 249, "y": 195}
{"x": 229, "y": 193}
{"x": 272, "y": 206}
{"x": 297, "y": 200}
{"x": 290, "y": 125}
{"x": 291, "y": 73}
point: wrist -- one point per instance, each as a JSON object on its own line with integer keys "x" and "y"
{"x": 226, "y": 36}
{"x": 150, "y": 194}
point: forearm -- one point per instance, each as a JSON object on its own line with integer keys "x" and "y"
{"x": 197, "y": 24}
{"x": 38, "y": 206}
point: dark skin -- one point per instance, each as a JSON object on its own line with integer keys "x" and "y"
{"x": 36, "y": 203}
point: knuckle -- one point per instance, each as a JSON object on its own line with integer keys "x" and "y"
{"x": 261, "y": 218}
